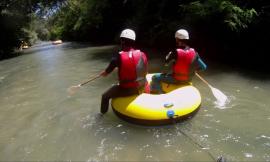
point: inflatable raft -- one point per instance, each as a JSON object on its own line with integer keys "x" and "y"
{"x": 57, "y": 42}
{"x": 25, "y": 47}
{"x": 179, "y": 103}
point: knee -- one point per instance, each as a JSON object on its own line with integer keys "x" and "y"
{"x": 105, "y": 96}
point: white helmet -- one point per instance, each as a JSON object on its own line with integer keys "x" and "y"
{"x": 128, "y": 33}
{"x": 181, "y": 34}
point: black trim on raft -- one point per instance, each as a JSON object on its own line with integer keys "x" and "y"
{"x": 156, "y": 122}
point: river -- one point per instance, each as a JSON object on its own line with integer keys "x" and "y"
{"x": 40, "y": 122}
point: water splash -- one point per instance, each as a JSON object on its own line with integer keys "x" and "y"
{"x": 224, "y": 103}
{"x": 221, "y": 104}
{"x": 222, "y": 99}
{"x": 2, "y": 78}
{"x": 248, "y": 155}
{"x": 100, "y": 149}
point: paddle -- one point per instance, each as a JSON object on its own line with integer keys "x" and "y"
{"x": 219, "y": 159}
{"x": 221, "y": 97}
{"x": 72, "y": 90}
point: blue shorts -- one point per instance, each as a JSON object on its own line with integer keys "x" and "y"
{"x": 160, "y": 77}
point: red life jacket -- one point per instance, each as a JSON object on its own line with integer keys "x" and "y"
{"x": 132, "y": 69}
{"x": 182, "y": 67}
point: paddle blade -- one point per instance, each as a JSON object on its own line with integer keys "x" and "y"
{"x": 221, "y": 97}
{"x": 72, "y": 90}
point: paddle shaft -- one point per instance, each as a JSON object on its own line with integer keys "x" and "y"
{"x": 203, "y": 79}
{"x": 195, "y": 142}
{"x": 199, "y": 145}
{"x": 95, "y": 77}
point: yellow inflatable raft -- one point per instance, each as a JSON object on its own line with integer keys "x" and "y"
{"x": 180, "y": 102}
{"x": 57, "y": 42}
{"x": 25, "y": 47}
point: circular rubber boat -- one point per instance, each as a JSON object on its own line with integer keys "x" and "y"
{"x": 25, "y": 47}
{"x": 57, "y": 42}
{"x": 178, "y": 103}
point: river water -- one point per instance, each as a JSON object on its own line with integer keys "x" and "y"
{"x": 40, "y": 122}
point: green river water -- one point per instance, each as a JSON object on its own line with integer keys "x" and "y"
{"x": 40, "y": 122}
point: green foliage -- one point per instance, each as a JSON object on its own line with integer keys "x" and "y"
{"x": 76, "y": 17}
{"x": 223, "y": 26}
{"x": 10, "y": 31}
{"x": 29, "y": 35}
{"x": 235, "y": 17}
{"x": 221, "y": 11}
{"x": 22, "y": 20}
{"x": 56, "y": 33}
{"x": 155, "y": 20}
{"x": 102, "y": 20}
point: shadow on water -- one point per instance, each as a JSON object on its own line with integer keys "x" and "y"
{"x": 104, "y": 54}
{"x": 107, "y": 52}
{"x": 214, "y": 68}
{"x": 46, "y": 46}
{"x": 264, "y": 75}
{"x": 244, "y": 71}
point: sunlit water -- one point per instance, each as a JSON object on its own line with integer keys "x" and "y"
{"x": 38, "y": 121}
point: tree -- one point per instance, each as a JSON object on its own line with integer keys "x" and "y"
{"x": 17, "y": 21}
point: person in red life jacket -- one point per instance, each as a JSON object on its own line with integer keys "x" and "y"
{"x": 185, "y": 62}
{"x": 132, "y": 69}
